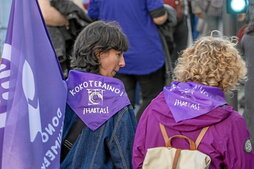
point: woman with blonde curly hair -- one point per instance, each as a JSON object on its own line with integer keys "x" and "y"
{"x": 205, "y": 71}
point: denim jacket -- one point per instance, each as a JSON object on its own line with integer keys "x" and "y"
{"x": 108, "y": 147}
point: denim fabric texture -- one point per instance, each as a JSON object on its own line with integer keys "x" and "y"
{"x": 108, "y": 147}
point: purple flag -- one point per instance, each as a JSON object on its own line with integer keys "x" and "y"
{"x": 33, "y": 94}
{"x": 4, "y": 87}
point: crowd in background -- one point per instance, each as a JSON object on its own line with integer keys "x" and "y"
{"x": 187, "y": 21}
{"x": 157, "y": 36}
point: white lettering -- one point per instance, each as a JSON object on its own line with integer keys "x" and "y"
{"x": 43, "y": 166}
{"x": 50, "y": 155}
{"x": 182, "y": 103}
{"x": 55, "y": 147}
{"x": 72, "y": 92}
{"x": 104, "y": 86}
{"x": 96, "y": 110}
{"x": 95, "y": 84}
{"x": 59, "y": 113}
{"x": 99, "y": 83}
{"x": 111, "y": 88}
{"x": 55, "y": 121}
{"x": 194, "y": 106}
{"x": 117, "y": 91}
{"x": 46, "y": 162}
{"x": 80, "y": 87}
{"x": 45, "y": 137}
{"x": 121, "y": 93}
{"x": 76, "y": 89}
{"x": 91, "y": 83}
{"x": 50, "y": 129}
{"x": 85, "y": 84}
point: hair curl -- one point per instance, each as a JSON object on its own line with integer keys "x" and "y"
{"x": 98, "y": 37}
{"x": 211, "y": 61}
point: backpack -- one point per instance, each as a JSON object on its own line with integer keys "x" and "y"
{"x": 172, "y": 158}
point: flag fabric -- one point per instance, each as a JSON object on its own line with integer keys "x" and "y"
{"x": 32, "y": 93}
{"x": 4, "y": 86}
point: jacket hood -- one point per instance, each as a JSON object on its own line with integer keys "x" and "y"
{"x": 213, "y": 111}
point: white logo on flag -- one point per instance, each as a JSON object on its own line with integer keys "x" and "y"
{"x": 6, "y": 84}
{"x": 33, "y": 110}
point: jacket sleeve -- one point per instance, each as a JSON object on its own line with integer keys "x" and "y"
{"x": 93, "y": 9}
{"x": 139, "y": 150}
{"x": 153, "y": 4}
{"x": 238, "y": 149}
{"x": 121, "y": 141}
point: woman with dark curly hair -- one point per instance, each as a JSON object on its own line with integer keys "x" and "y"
{"x": 194, "y": 102}
{"x": 99, "y": 122}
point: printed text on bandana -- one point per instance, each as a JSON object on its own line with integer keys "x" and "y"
{"x": 182, "y": 103}
{"x": 95, "y": 91}
{"x": 188, "y": 93}
{"x": 93, "y": 83}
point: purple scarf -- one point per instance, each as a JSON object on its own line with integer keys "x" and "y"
{"x": 95, "y": 98}
{"x": 189, "y": 100}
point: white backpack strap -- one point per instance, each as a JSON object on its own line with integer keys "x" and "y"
{"x": 200, "y": 136}
{"x": 164, "y": 133}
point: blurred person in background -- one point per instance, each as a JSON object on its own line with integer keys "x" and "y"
{"x": 85, "y": 3}
{"x": 196, "y": 18}
{"x": 212, "y": 14}
{"x": 247, "y": 48}
{"x": 145, "y": 58}
{"x": 64, "y": 20}
{"x": 51, "y": 15}
{"x": 209, "y": 13}
{"x": 181, "y": 30}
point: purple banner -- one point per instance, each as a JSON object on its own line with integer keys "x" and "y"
{"x": 33, "y": 94}
{"x": 4, "y": 80}
{"x": 95, "y": 98}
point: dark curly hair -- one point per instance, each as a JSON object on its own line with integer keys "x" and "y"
{"x": 97, "y": 38}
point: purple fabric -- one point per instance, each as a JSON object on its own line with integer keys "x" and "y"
{"x": 95, "y": 98}
{"x": 33, "y": 94}
{"x": 224, "y": 141}
{"x": 189, "y": 100}
{"x": 4, "y": 78}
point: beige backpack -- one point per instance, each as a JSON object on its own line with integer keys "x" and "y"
{"x": 173, "y": 158}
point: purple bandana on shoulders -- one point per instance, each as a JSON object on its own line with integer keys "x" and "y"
{"x": 189, "y": 100}
{"x": 95, "y": 98}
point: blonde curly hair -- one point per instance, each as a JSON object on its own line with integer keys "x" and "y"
{"x": 211, "y": 61}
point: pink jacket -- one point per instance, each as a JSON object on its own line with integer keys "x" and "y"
{"x": 226, "y": 141}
